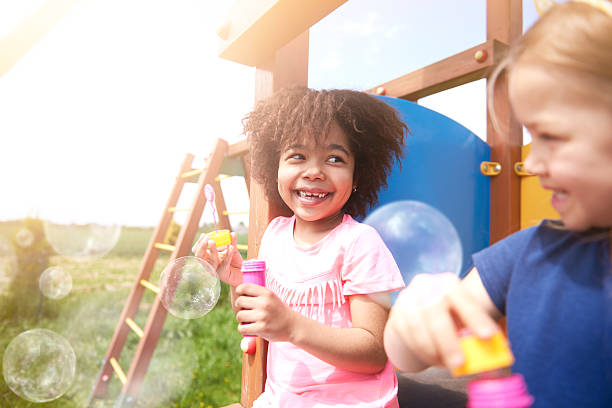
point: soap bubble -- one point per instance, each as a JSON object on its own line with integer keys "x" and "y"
{"x": 91, "y": 240}
{"x": 24, "y": 237}
{"x": 190, "y": 287}
{"x": 39, "y": 365}
{"x": 55, "y": 282}
{"x": 8, "y": 265}
{"x": 420, "y": 238}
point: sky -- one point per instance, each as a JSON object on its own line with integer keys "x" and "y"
{"x": 97, "y": 117}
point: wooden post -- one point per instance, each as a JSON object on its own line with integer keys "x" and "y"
{"x": 504, "y": 23}
{"x": 289, "y": 66}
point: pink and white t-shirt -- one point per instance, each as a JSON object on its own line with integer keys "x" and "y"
{"x": 316, "y": 282}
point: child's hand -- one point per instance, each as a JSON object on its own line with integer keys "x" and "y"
{"x": 228, "y": 268}
{"x": 424, "y": 324}
{"x": 263, "y": 314}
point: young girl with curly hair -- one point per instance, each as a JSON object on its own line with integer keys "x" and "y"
{"x": 323, "y": 155}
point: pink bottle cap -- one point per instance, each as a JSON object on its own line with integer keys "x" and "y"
{"x": 505, "y": 392}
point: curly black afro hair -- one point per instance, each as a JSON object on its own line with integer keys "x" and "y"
{"x": 375, "y": 132}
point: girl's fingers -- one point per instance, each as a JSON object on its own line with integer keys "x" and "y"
{"x": 197, "y": 247}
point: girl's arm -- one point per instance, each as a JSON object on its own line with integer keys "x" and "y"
{"x": 424, "y": 322}
{"x": 359, "y": 348}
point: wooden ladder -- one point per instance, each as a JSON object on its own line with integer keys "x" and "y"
{"x": 224, "y": 159}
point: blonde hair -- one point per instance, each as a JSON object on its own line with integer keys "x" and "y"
{"x": 573, "y": 37}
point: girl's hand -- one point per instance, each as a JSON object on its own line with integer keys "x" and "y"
{"x": 424, "y": 324}
{"x": 228, "y": 268}
{"x": 263, "y": 314}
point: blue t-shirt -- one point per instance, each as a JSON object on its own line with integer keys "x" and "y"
{"x": 555, "y": 288}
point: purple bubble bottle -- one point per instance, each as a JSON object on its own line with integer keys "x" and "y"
{"x": 487, "y": 361}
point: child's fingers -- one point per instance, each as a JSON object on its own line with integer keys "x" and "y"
{"x": 471, "y": 314}
{"x": 250, "y": 289}
{"x": 198, "y": 247}
{"x": 439, "y": 321}
{"x": 415, "y": 335}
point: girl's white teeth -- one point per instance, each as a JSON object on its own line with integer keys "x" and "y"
{"x": 311, "y": 195}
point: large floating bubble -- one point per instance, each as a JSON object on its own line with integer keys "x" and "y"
{"x": 190, "y": 287}
{"x": 39, "y": 365}
{"x": 55, "y": 282}
{"x": 8, "y": 265}
{"x": 91, "y": 240}
{"x": 421, "y": 238}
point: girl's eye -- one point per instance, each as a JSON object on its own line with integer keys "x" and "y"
{"x": 336, "y": 159}
{"x": 546, "y": 137}
{"x": 295, "y": 156}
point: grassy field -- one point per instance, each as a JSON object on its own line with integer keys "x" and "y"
{"x": 197, "y": 363}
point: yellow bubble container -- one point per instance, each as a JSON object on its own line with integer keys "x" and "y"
{"x": 483, "y": 354}
{"x": 222, "y": 238}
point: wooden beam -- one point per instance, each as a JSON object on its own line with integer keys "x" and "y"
{"x": 504, "y": 23}
{"x": 289, "y": 66}
{"x": 467, "y": 66}
{"x": 256, "y": 29}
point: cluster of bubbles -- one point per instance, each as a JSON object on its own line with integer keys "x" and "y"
{"x": 420, "y": 238}
{"x": 39, "y": 365}
{"x": 190, "y": 287}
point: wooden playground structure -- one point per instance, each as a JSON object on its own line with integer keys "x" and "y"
{"x": 273, "y": 37}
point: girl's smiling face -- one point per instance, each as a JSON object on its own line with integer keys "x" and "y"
{"x": 571, "y": 151}
{"x": 315, "y": 180}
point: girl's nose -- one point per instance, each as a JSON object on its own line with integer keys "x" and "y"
{"x": 534, "y": 164}
{"x": 313, "y": 171}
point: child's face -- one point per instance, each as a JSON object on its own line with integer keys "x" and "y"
{"x": 316, "y": 180}
{"x": 571, "y": 151}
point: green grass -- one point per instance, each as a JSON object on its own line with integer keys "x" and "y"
{"x": 197, "y": 363}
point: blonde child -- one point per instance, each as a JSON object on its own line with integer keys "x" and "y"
{"x": 323, "y": 155}
{"x": 553, "y": 282}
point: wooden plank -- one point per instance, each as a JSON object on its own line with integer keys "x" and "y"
{"x": 504, "y": 23}
{"x": 289, "y": 66}
{"x": 448, "y": 73}
{"x": 238, "y": 149}
{"x": 256, "y": 29}
{"x": 133, "y": 301}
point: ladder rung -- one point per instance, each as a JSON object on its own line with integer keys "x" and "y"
{"x": 165, "y": 247}
{"x": 191, "y": 173}
{"x": 225, "y": 212}
{"x": 149, "y": 285}
{"x": 174, "y": 209}
{"x": 118, "y": 370}
{"x": 134, "y": 327}
{"x": 222, "y": 177}
{"x": 242, "y": 247}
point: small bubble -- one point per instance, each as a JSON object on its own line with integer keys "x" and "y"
{"x": 55, "y": 282}
{"x": 24, "y": 237}
{"x": 190, "y": 287}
